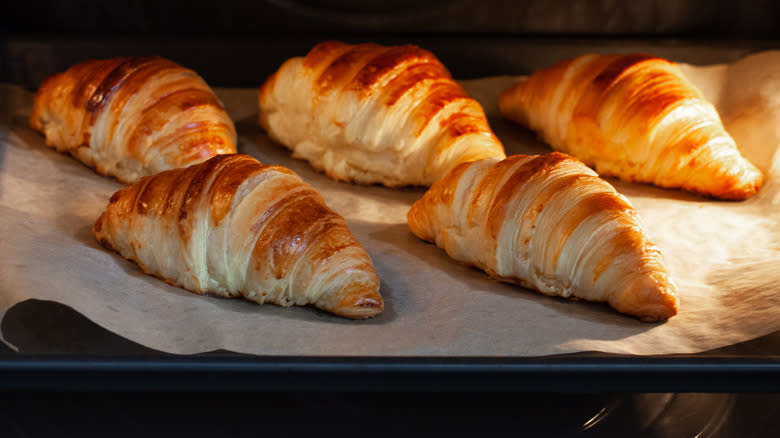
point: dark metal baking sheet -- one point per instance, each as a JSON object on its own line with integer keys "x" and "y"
{"x": 60, "y": 349}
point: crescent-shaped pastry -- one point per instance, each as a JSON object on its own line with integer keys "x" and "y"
{"x": 232, "y": 226}
{"x": 635, "y": 117}
{"x": 132, "y": 116}
{"x": 549, "y": 223}
{"x": 372, "y": 114}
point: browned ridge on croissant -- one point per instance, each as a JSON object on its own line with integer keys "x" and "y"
{"x": 232, "y": 226}
{"x": 549, "y": 223}
{"x": 132, "y": 116}
{"x": 369, "y": 113}
{"x": 636, "y": 117}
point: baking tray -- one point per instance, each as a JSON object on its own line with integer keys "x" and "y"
{"x": 60, "y": 349}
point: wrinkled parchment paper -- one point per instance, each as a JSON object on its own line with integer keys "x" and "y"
{"x": 723, "y": 255}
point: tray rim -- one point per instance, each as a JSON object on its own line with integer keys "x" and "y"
{"x": 225, "y": 371}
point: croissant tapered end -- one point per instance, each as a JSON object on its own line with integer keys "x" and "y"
{"x": 232, "y": 227}
{"x": 654, "y": 298}
{"x": 359, "y": 300}
{"x": 44, "y": 95}
{"x": 507, "y": 102}
{"x": 636, "y": 117}
{"x": 369, "y": 114}
{"x": 129, "y": 117}
{"x": 548, "y": 222}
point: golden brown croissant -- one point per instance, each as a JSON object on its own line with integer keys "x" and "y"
{"x": 232, "y": 226}
{"x": 372, "y": 114}
{"x": 635, "y": 117}
{"x": 549, "y": 223}
{"x": 132, "y": 116}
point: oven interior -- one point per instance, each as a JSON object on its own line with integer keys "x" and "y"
{"x": 238, "y": 43}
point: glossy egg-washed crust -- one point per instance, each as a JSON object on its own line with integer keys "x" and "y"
{"x": 635, "y": 117}
{"x": 132, "y": 116}
{"x": 373, "y": 114}
{"x": 232, "y": 226}
{"x": 549, "y": 223}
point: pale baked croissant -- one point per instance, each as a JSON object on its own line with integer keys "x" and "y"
{"x": 132, "y": 116}
{"x": 549, "y": 223}
{"x": 635, "y": 117}
{"x": 232, "y": 226}
{"x": 372, "y": 114}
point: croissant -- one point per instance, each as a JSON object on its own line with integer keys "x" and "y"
{"x": 372, "y": 114}
{"x": 635, "y": 117}
{"x": 132, "y": 116}
{"x": 549, "y": 223}
{"x": 232, "y": 226}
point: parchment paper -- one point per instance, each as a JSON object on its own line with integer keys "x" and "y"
{"x": 722, "y": 255}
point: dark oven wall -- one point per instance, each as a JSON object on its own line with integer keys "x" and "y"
{"x": 240, "y": 42}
